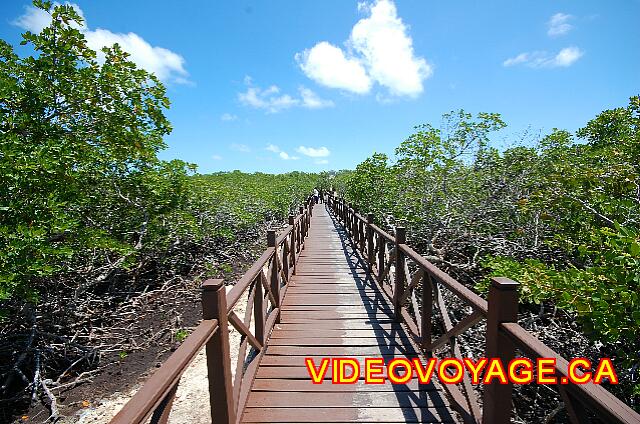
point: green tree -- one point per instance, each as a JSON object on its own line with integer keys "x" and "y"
{"x": 561, "y": 215}
{"x": 373, "y": 184}
{"x": 74, "y": 133}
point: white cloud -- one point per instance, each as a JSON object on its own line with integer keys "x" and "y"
{"x": 559, "y": 25}
{"x": 327, "y": 65}
{"x": 567, "y": 56}
{"x": 379, "y": 50}
{"x": 228, "y": 117}
{"x": 516, "y": 60}
{"x": 240, "y": 148}
{"x": 311, "y": 100}
{"x": 216, "y": 157}
{"x": 285, "y": 156}
{"x": 271, "y": 100}
{"x": 387, "y": 50}
{"x": 35, "y": 19}
{"x": 319, "y": 152}
{"x": 282, "y": 154}
{"x": 266, "y": 99}
{"x": 165, "y": 64}
{"x": 539, "y": 59}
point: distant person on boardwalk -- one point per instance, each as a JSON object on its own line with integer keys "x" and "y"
{"x": 315, "y": 195}
{"x": 321, "y": 196}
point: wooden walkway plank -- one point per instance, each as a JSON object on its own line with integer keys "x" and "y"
{"x": 341, "y": 350}
{"x": 334, "y": 308}
{"x": 295, "y": 386}
{"x": 343, "y": 333}
{"x": 357, "y": 414}
{"x": 338, "y": 400}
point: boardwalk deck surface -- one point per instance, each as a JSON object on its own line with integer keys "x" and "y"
{"x": 332, "y": 308}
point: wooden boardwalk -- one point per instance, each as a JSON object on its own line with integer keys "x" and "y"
{"x": 333, "y": 308}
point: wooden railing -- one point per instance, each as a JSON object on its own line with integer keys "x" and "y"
{"x": 264, "y": 286}
{"x": 416, "y": 295}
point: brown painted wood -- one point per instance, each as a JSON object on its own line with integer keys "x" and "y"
{"x": 341, "y": 333}
{"x": 298, "y": 361}
{"x": 341, "y": 350}
{"x": 337, "y": 341}
{"x": 335, "y": 298}
{"x": 345, "y": 313}
{"x": 339, "y": 400}
{"x": 301, "y": 373}
{"x": 339, "y": 325}
{"x": 355, "y": 414}
{"x": 345, "y": 320}
{"x": 332, "y": 307}
{"x": 165, "y": 379}
{"x": 300, "y": 386}
{"x": 355, "y": 299}
{"x": 366, "y": 309}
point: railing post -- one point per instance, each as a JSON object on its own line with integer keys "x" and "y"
{"x": 349, "y": 224}
{"x": 361, "y": 234}
{"x": 285, "y": 260}
{"x": 214, "y": 306}
{"x": 345, "y": 213}
{"x": 347, "y": 217}
{"x": 398, "y": 292}
{"x": 382, "y": 242}
{"x": 258, "y": 310}
{"x": 292, "y": 222}
{"x": 503, "y": 307}
{"x": 427, "y": 310}
{"x": 354, "y": 225}
{"x": 304, "y": 221}
{"x": 162, "y": 412}
{"x": 370, "y": 252}
{"x": 302, "y": 225}
{"x": 275, "y": 278}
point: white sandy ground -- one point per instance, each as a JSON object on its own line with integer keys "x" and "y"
{"x": 191, "y": 404}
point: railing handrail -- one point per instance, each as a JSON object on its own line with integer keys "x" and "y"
{"x": 236, "y": 292}
{"x": 155, "y": 397}
{"x": 464, "y": 293}
{"x": 608, "y": 406}
{"x": 499, "y": 322}
{"x": 161, "y": 383}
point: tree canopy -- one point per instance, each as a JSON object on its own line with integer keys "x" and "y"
{"x": 561, "y": 216}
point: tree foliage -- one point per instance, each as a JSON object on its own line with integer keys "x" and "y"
{"x": 561, "y": 216}
{"x": 79, "y": 143}
{"x": 89, "y": 215}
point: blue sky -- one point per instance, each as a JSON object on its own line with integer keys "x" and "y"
{"x": 290, "y": 85}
